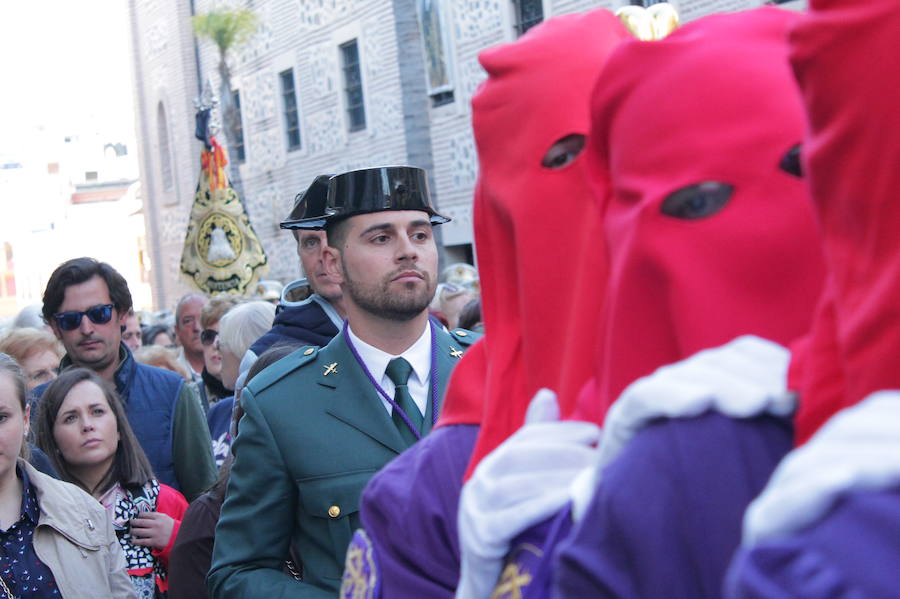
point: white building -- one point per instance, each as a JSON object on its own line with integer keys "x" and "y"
{"x": 67, "y": 196}
{"x": 68, "y": 159}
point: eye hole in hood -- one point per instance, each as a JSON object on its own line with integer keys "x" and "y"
{"x": 697, "y": 201}
{"x": 563, "y": 152}
{"x": 790, "y": 162}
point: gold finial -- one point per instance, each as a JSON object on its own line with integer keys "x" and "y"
{"x": 649, "y": 24}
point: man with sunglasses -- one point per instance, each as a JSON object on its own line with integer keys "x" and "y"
{"x": 86, "y": 304}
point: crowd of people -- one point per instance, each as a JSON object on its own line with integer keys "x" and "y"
{"x": 686, "y": 384}
{"x": 139, "y": 419}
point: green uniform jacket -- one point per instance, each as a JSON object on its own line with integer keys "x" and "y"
{"x": 314, "y": 432}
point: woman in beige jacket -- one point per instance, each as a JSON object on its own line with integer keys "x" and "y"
{"x": 57, "y": 540}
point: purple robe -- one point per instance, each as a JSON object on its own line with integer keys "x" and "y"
{"x": 409, "y": 545}
{"x": 853, "y": 552}
{"x": 666, "y": 516}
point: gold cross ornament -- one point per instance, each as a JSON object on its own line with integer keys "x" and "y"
{"x": 455, "y": 352}
{"x": 331, "y": 369}
{"x": 511, "y": 583}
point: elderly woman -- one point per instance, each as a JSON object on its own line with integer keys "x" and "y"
{"x": 238, "y": 329}
{"x": 36, "y": 350}
{"x": 161, "y": 357}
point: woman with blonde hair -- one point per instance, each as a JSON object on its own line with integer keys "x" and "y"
{"x": 161, "y": 357}
{"x": 37, "y": 351}
{"x": 57, "y": 540}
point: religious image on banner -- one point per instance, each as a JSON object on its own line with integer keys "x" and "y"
{"x": 222, "y": 253}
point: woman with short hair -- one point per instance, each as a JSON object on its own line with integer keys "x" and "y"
{"x": 212, "y": 389}
{"x": 37, "y": 351}
{"x": 238, "y": 329}
{"x": 161, "y": 357}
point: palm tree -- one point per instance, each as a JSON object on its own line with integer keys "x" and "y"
{"x": 227, "y": 29}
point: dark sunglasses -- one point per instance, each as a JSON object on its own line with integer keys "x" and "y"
{"x": 207, "y": 336}
{"x": 69, "y": 321}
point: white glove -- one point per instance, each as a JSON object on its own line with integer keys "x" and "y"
{"x": 742, "y": 379}
{"x": 521, "y": 483}
{"x": 858, "y": 449}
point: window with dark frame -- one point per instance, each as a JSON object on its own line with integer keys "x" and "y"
{"x": 291, "y": 115}
{"x": 239, "y": 153}
{"x": 437, "y": 53}
{"x": 441, "y": 98}
{"x": 528, "y": 14}
{"x": 356, "y": 110}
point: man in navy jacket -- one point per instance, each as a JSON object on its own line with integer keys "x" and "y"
{"x": 86, "y": 303}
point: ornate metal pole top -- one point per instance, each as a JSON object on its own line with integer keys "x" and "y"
{"x": 208, "y": 119}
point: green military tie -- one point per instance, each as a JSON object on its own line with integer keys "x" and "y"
{"x": 398, "y": 370}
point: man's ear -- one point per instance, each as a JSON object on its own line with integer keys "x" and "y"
{"x": 331, "y": 259}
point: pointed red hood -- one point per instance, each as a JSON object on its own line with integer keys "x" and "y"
{"x": 844, "y": 54}
{"x": 541, "y": 268}
{"x": 713, "y": 102}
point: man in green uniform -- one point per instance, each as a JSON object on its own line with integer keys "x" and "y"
{"x": 318, "y": 424}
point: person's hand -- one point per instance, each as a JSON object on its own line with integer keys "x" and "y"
{"x": 152, "y": 529}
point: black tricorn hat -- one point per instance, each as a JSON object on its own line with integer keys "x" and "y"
{"x": 309, "y": 206}
{"x": 375, "y": 190}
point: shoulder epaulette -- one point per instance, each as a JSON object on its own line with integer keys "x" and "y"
{"x": 465, "y": 336}
{"x": 282, "y": 368}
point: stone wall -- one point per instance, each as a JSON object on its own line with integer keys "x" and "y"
{"x": 165, "y": 75}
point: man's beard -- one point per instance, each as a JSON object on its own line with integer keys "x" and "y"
{"x": 401, "y": 305}
{"x": 96, "y": 362}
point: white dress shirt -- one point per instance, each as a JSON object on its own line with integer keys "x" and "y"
{"x": 419, "y": 357}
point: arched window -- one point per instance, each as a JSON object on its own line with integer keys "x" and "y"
{"x": 165, "y": 154}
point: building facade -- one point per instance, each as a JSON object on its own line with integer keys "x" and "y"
{"x": 70, "y": 194}
{"x": 324, "y": 86}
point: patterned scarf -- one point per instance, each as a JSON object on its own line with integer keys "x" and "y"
{"x": 124, "y": 505}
